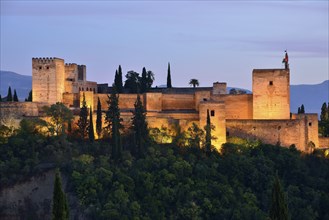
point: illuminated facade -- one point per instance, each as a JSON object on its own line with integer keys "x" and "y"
{"x": 263, "y": 115}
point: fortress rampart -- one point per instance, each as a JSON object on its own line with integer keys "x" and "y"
{"x": 299, "y": 131}
{"x": 263, "y": 115}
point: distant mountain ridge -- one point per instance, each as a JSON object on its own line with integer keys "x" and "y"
{"x": 311, "y": 96}
{"x": 21, "y": 83}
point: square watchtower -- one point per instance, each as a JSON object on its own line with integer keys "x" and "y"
{"x": 271, "y": 93}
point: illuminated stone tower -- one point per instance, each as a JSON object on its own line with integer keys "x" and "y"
{"x": 217, "y": 118}
{"x": 271, "y": 93}
{"x": 48, "y": 77}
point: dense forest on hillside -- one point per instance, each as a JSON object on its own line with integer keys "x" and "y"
{"x": 171, "y": 182}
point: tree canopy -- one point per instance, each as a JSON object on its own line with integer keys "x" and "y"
{"x": 194, "y": 83}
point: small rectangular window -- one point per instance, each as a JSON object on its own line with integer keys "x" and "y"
{"x": 271, "y": 83}
{"x": 310, "y": 124}
{"x": 212, "y": 113}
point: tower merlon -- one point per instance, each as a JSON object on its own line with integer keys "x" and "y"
{"x": 45, "y": 60}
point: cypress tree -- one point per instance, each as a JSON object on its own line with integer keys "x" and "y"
{"x": 91, "y": 127}
{"x": 15, "y": 99}
{"x": 60, "y": 208}
{"x": 139, "y": 126}
{"x": 302, "y": 109}
{"x": 298, "y": 112}
{"x": 279, "y": 209}
{"x": 208, "y": 134}
{"x": 114, "y": 124}
{"x": 324, "y": 112}
{"x": 83, "y": 119}
{"x": 116, "y": 78}
{"x": 143, "y": 81}
{"x": 29, "y": 98}
{"x": 169, "y": 77}
{"x": 9, "y": 95}
{"x": 120, "y": 84}
{"x": 99, "y": 119}
{"x": 0, "y": 98}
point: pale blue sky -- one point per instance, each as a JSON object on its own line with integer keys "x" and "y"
{"x": 207, "y": 40}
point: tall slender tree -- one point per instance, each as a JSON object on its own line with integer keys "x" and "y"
{"x": 143, "y": 82}
{"x": 139, "y": 126}
{"x": 0, "y": 98}
{"x": 29, "y": 98}
{"x": 169, "y": 77}
{"x": 91, "y": 127}
{"x": 208, "y": 134}
{"x": 302, "y": 109}
{"x": 9, "y": 95}
{"x": 114, "y": 124}
{"x": 116, "y": 78}
{"x": 83, "y": 119}
{"x": 15, "y": 99}
{"x": 279, "y": 208}
{"x": 60, "y": 209}
{"x": 324, "y": 120}
{"x": 324, "y": 112}
{"x": 120, "y": 84}
{"x": 99, "y": 119}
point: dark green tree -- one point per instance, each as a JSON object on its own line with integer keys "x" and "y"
{"x": 114, "y": 124}
{"x": 208, "y": 134}
{"x": 118, "y": 80}
{"x": 132, "y": 82}
{"x": 194, "y": 136}
{"x": 324, "y": 112}
{"x": 59, "y": 116}
{"x": 143, "y": 81}
{"x": 302, "y": 109}
{"x": 9, "y": 95}
{"x": 324, "y": 120}
{"x": 29, "y": 98}
{"x": 120, "y": 84}
{"x": 150, "y": 79}
{"x": 194, "y": 82}
{"x": 298, "y": 111}
{"x": 83, "y": 119}
{"x": 60, "y": 208}
{"x": 169, "y": 77}
{"x": 15, "y": 99}
{"x": 0, "y": 98}
{"x": 91, "y": 127}
{"x": 99, "y": 119}
{"x": 139, "y": 126}
{"x": 279, "y": 208}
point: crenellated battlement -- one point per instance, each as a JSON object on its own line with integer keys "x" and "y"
{"x": 70, "y": 64}
{"x": 45, "y": 60}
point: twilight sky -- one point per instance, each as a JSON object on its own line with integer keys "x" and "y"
{"x": 207, "y": 40}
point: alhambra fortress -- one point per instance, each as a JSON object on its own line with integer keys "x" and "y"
{"x": 263, "y": 115}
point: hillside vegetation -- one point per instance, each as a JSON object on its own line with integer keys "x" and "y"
{"x": 171, "y": 182}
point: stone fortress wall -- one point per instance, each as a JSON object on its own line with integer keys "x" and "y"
{"x": 263, "y": 115}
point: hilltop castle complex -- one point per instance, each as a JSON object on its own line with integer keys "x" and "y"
{"x": 263, "y": 115}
